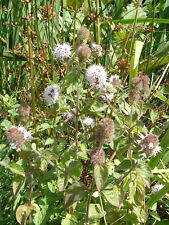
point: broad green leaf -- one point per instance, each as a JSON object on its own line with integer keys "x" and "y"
{"x": 74, "y": 3}
{"x": 22, "y": 212}
{"x": 139, "y": 193}
{"x": 43, "y": 126}
{"x": 105, "y": 2}
{"x": 15, "y": 168}
{"x": 124, "y": 165}
{"x": 130, "y": 12}
{"x": 155, "y": 215}
{"x": 154, "y": 115}
{"x": 95, "y": 211}
{"x": 75, "y": 168}
{"x": 73, "y": 194}
{"x": 50, "y": 141}
{"x": 100, "y": 175}
{"x": 18, "y": 183}
{"x": 144, "y": 172}
{"x": 155, "y": 197}
{"x": 69, "y": 220}
{"x": 115, "y": 197}
{"x": 6, "y": 124}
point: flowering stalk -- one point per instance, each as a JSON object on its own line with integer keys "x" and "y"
{"x": 129, "y": 139}
{"x": 98, "y": 25}
{"x": 77, "y": 116}
{"x": 32, "y": 72}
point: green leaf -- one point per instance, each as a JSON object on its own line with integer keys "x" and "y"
{"x": 17, "y": 169}
{"x": 22, "y": 212}
{"x": 115, "y": 196}
{"x": 69, "y": 220}
{"x": 141, "y": 20}
{"x": 75, "y": 168}
{"x": 43, "y": 126}
{"x": 74, "y": 3}
{"x": 155, "y": 215}
{"x": 100, "y": 175}
{"x": 50, "y": 141}
{"x": 144, "y": 172}
{"x": 6, "y": 125}
{"x": 135, "y": 59}
{"x": 73, "y": 194}
{"x": 154, "y": 115}
{"x": 154, "y": 198}
{"x": 123, "y": 166}
{"x": 18, "y": 183}
{"x": 95, "y": 211}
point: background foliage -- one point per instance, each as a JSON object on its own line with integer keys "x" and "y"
{"x": 135, "y": 40}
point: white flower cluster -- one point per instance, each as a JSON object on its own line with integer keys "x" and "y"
{"x": 96, "y": 75}
{"x": 62, "y": 51}
{"x": 18, "y": 136}
{"x": 89, "y": 122}
{"x": 109, "y": 91}
{"x": 149, "y": 144}
{"x": 97, "y": 49}
{"x": 51, "y": 93}
{"x": 115, "y": 80}
{"x": 157, "y": 188}
{"x": 70, "y": 116}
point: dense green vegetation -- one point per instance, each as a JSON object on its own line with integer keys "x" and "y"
{"x": 84, "y": 126}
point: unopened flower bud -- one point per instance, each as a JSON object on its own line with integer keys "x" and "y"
{"x": 145, "y": 83}
{"x": 83, "y": 33}
{"x": 98, "y": 156}
{"x": 105, "y": 132}
{"x": 24, "y": 112}
{"x": 137, "y": 83}
{"x": 134, "y": 95}
{"x": 83, "y": 51}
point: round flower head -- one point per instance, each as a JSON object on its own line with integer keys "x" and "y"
{"x": 83, "y": 33}
{"x": 105, "y": 131}
{"x": 137, "y": 84}
{"x": 70, "y": 116}
{"x": 97, "y": 49}
{"x": 109, "y": 91}
{"x": 157, "y": 188}
{"x": 83, "y": 51}
{"x": 145, "y": 83}
{"x": 98, "y": 156}
{"x": 149, "y": 144}
{"x": 18, "y": 136}
{"x": 24, "y": 112}
{"x": 89, "y": 122}
{"x": 96, "y": 75}
{"x": 51, "y": 93}
{"x": 62, "y": 51}
{"x": 134, "y": 95}
{"x": 115, "y": 81}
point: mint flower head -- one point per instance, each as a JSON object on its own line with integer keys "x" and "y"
{"x": 18, "y": 136}
{"x": 89, "y": 122}
{"x": 96, "y": 75}
{"x": 83, "y": 33}
{"x": 97, "y": 49}
{"x": 150, "y": 145}
{"x": 24, "y": 112}
{"x": 62, "y": 51}
{"x": 105, "y": 131}
{"x": 51, "y": 93}
{"x": 98, "y": 156}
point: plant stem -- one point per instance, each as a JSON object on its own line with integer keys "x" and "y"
{"x": 31, "y": 191}
{"x": 32, "y": 72}
{"x": 77, "y": 116}
{"x": 129, "y": 139}
{"x": 88, "y": 203}
{"x": 98, "y": 26}
{"x": 101, "y": 202}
